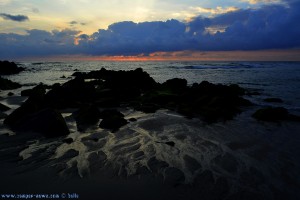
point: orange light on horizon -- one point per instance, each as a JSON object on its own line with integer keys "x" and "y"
{"x": 259, "y": 55}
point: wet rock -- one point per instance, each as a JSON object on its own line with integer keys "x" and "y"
{"x": 212, "y": 102}
{"x": 47, "y": 122}
{"x": 173, "y": 176}
{"x": 156, "y": 165}
{"x": 10, "y": 94}
{"x": 274, "y": 114}
{"x": 86, "y": 115}
{"x": 175, "y": 85}
{"x": 38, "y": 90}
{"x": 112, "y": 119}
{"x": 191, "y": 163}
{"x": 273, "y": 100}
{"x": 29, "y": 107}
{"x": 6, "y": 84}
{"x": 8, "y": 68}
{"x": 70, "y": 94}
{"x": 3, "y": 108}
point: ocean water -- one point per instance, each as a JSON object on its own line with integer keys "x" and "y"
{"x": 271, "y": 79}
{"x": 256, "y": 159}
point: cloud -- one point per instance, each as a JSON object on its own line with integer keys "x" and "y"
{"x": 17, "y": 18}
{"x": 273, "y": 26}
{"x": 261, "y": 1}
{"x": 73, "y": 23}
{"x": 214, "y": 11}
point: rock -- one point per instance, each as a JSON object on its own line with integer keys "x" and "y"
{"x": 274, "y": 114}
{"x": 10, "y": 94}
{"x": 3, "y": 108}
{"x": 47, "y": 122}
{"x": 86, "y": 115}
{"x": 38, "y": 90}
{"x": 32, "y": 105}
{"x": 112, "y": 119}
{"x": 175, "y": 85}
{"x": 6, "y": 84}
{"x": 273, "y": 100}
{"x": 212, "y": 102}
{"x": 70, "y": 94}
{"x": 8, "y": 68}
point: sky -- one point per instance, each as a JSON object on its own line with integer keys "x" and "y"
{"x": 152, "y": 29}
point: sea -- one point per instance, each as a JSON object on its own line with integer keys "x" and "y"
{"x": 240, "y": 159}
{"x": 270, "y": 79}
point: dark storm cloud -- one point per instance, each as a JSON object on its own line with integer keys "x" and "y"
{"x": 273, "y": 26}
{"x": 17, "y": 18}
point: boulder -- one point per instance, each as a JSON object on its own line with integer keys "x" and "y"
{"x": 271, "y": 114}
{"x": 274, "y": 114}
{"x": 70, "y": 94}
{"x": 112, "y": 119}
{"x": 6, "y": 84}
{"x": 8, "y": 68}
{"x": 86, "y": 115}
{"x": 38, "y": 90}
{"x": 47, "y": 122}
{"x": 175, "y": 85}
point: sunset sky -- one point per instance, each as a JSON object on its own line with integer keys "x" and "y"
{"x": 153, "y": 29}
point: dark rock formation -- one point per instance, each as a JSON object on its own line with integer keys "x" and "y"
{"x": 6, "y": 84}
{"x": 8, "y": 68}
{"x": 274, "y": 114}
{"x": 112, "y": 119}
{"x": 71, "y": 94}
{"x": 86, "y": 115}
{"x": 48, "y": 122}
{"x": 38, "y": 90}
